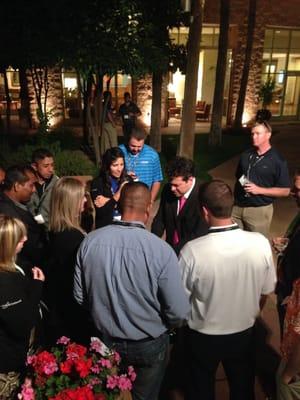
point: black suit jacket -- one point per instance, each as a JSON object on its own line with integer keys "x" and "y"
{"x": 188, "y": 222}
{"x": 32, "y": 252}
{"x": 104, "y": 215}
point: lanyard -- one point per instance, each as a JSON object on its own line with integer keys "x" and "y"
{"x": 252, "y": 165}
{"x": 129, "y": 224}
{"x": 132, "y": 162}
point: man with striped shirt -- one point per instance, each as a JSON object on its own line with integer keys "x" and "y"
{"x": 142, "y": 161}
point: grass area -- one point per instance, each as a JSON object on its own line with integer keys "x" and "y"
{"x": 206, "y": 157}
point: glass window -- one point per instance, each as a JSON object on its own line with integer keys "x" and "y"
{"x": 294, "y": 62}
{"x": 295, "y": 40}
{"x": 268, "y": 38}
{"x": 281, "y": 39}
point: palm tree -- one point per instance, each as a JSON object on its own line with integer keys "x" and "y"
{"x": 215, "y": 136}
{"x": 245, "y": 74}
{"x": 187, "y": 129}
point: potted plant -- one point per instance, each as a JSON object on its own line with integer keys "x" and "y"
{"x": 265, "y": 95}
{"x": 70, "y": 371}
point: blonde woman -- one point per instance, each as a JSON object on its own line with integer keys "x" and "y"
{"x": 65, "y": 235}
{"x": 19, "y": 298}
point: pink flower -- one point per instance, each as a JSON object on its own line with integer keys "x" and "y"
{"x": 131, "y": 373}
{"x": 117, "y": 357}
{"x": 112, "y": 381}
{"x": 96, "y": 345}
{"x": 27, "y": 392}
{"x": 124, "y": 383}
{"x": 96, "y": 369}
{"x": 93, "y": 382}
{"x": 50, "y": 368}
{"x": 30, "y": 360}
{"x": 63, "y": 340}
{"x": 105, "y": 363}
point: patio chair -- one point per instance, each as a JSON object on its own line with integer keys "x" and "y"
{"x": 200, "y": 105}
{"x": 173, "y": 109}
{"x": 204, "y": 115}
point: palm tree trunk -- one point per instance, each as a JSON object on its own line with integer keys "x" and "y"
{"x": 155, "y": 130}
{"x": 25, "y": 115}
{"x": 8, "y": 101}
{"x": 215, "y": 136}
{"x": 187, "y": 129}
{"x": 246, "y": 69}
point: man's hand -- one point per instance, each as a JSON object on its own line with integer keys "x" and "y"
{"x": 252, "y": 188}
{"x": 38, "y": 274}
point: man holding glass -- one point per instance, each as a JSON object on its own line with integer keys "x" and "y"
{"x": 262, "y": 175}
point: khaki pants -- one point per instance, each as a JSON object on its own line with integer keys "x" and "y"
{"x": 284, "y": 391}
{"x": 254, "y": 219}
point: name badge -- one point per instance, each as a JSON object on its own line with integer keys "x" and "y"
{"x": 39, "y": 219}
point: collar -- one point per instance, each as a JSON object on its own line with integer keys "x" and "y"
{"x": 16, "y": 203}
{"x": 225, "y": 228}
{"x": 187, "y": 194}
{"x": 131, "y": 224}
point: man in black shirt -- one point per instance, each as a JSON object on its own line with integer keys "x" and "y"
{"x": 39, "y": 205}
{"x": 129, "y": 111}
{"x": 262, "y": 175}
{"x": 17, "y": 188}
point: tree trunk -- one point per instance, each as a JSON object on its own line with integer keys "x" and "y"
{"x": 155, "y": 130}
{"x": 25, "y": 115}
{"x": 8, "y": 101}
{"x": 215, "y": 135}
{"x": 187, "y": 129}
{"x": 245, "y": 74}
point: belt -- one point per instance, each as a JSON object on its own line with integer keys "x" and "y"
{"x": 120, "y": 340}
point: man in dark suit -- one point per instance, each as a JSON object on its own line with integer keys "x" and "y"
{"x": 178, "y": 214}
{"x": 17, "y": 188}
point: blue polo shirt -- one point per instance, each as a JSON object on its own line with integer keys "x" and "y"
{"x": 145, "y": 165}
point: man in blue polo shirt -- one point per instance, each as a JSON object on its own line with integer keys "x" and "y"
{"x": 142, "y": 161}
{"x": 262, "y": 176}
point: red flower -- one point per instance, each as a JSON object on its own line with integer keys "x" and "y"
{"x": 75, "y": 351}
{"x": 83, "y": 366}
{"x": 45, "y": 363}
{"x": 66, "y": 367}
{"x": 81, "y": 393}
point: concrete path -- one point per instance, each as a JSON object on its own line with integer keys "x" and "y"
{"x": 287, "y": 140}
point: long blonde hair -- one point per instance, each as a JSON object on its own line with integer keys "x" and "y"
{"x": 12, "y": 231}
{"x": 66, "y": 199}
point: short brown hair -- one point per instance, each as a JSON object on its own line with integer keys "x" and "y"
{"x": 138, "y": 132}
{"x": 217, "y": 197}
{"x": 265, "y": 124}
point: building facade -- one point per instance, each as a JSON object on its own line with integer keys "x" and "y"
{"x": 275, "y": 56}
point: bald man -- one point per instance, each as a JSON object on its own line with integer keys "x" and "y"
{"x": 130, "y": 280}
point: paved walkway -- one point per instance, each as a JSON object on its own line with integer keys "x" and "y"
{"x": 287, "y": 140}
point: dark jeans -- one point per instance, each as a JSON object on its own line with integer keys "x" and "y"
{"x": 205, "y": 352}
{"x": 149, "y": 359}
